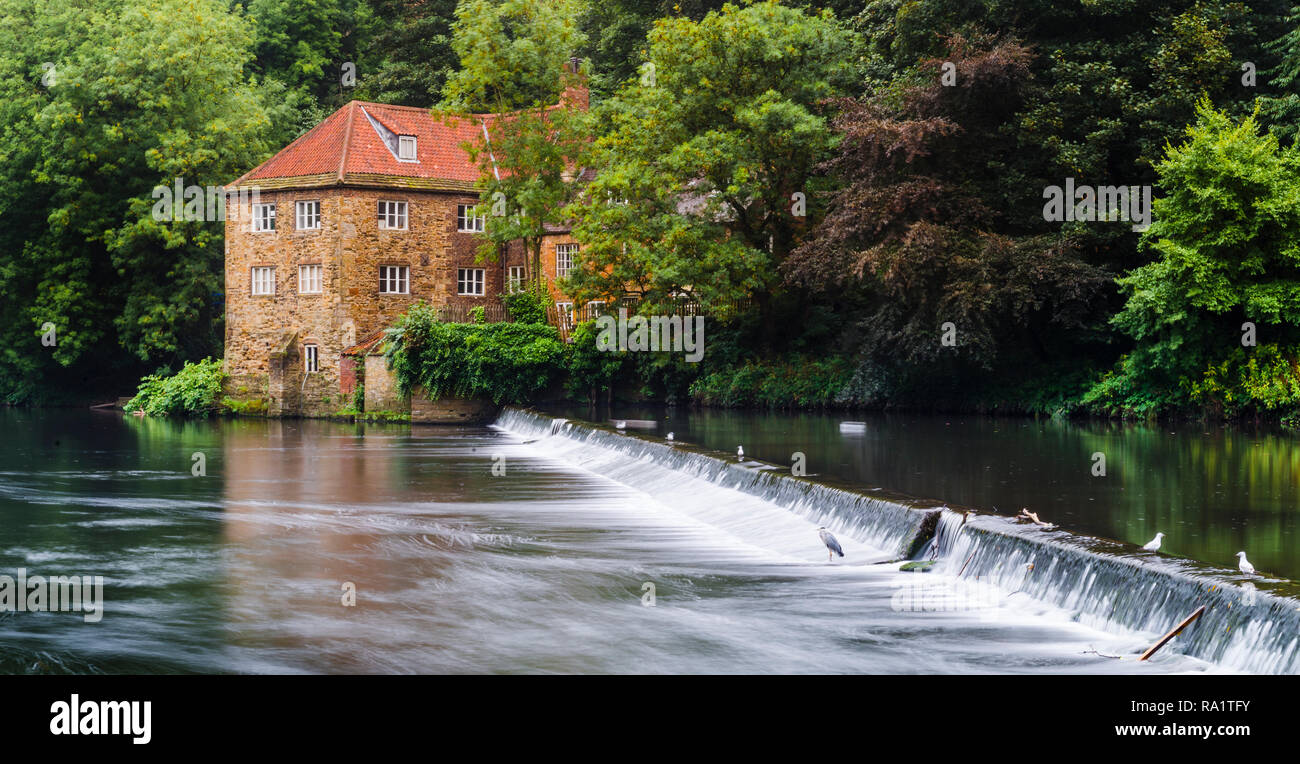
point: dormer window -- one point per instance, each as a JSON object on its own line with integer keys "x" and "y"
{"x": 402, "y": 147}
{"x": 406, "y": 148}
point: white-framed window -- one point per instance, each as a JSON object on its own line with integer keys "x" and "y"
{"x": 406, "y": 148}
{"x": 515, "y": 278}
{"x": 264, "y": 217}
{"x": 392, "y": 216}
{"x": 594, "y": 308}
{"x": 394, "y": 279}
{"x": 565, "y": 309}
{"x": 564, "y": 259}
{"x": 310, "y": 279}
{"x": 306, "y": 216}
{"x": 467, "y": 221}
{"x": 471, "y": 281}
{"x": 310, "y": 359}
{"x": 264, "y": 280}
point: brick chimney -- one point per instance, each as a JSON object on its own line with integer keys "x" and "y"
{"x": 575, "y": 95}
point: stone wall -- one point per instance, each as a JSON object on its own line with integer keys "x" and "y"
{"x": 451, "y": 410}
{"x": 381, "y": 387}
{"x": 350, "y": 247}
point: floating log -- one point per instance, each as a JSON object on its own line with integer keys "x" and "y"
{"x": 1177, "y": 630}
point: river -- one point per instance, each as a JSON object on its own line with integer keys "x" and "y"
{"x": 1213, "y": 490}
{"x": 481, "y": 549}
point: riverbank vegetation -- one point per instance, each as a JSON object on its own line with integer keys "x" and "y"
{"x": 506, "y": 362}
{"x": 195, "y": 390}
{"x": 871, "y": 180}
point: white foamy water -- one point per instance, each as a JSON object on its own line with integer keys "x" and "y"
{"x": 543, "y": 569}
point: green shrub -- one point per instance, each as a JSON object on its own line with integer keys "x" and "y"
{"x": 527, "y": 307}
{"x": 590, "y": 371}
{"x": 195, "y": 390}
{"x": 793, "y": 383}
{"x": 1254, "y": 380}
{"x": 509, "y": 363}
{"x": 248, "y": 407}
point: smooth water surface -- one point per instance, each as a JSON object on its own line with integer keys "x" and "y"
{"x": 1213, "y": 491}
{"x": 545, "y": 568}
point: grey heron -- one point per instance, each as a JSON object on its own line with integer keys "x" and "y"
{"x": 832, "y": 545}
{"x": 1154, "y": 544}
{"x": 1245, "y": 565}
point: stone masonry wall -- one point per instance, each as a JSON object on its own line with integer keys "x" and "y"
{"x": 381, "y": 387}
{"x": 350, "y": 247}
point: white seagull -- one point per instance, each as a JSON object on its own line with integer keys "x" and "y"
{"x": 832, "y": 545}
{"x": 670, "y": 436}
{"x": 1245, "y": 565}
{"x": 740, "y": 452}
{"x": 1154, "y": 544}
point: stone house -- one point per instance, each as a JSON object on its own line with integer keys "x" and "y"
{"x": 366, "y": 213}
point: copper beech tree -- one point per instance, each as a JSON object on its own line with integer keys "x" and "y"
{"x": 918, "y": 234}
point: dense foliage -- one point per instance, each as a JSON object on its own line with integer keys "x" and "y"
{"x": 101, "y": 102}
{"x": 700, "y": 158}
{"x": 834, "y": 181}
{"x": 507, "y": 362}
{"x": 527, "y": 306}
{"x": 1227, "y": 273}
{"x": 195, "y": 390}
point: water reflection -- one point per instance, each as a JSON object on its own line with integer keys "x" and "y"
{"x": 539, "y": 570}
{"x": 1212, "y": 490}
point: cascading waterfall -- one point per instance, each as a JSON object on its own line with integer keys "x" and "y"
{"x": 896, "y": 526}
{"x": 945, "y": 534}
{"x": 1107, "y": 585}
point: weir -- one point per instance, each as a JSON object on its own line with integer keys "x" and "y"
{"x": 897, "y": 525}
{"x": 1248, "y": 625}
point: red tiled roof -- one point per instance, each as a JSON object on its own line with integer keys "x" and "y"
{"x": 346, "y": 148}
{"x": 369, "y": 345}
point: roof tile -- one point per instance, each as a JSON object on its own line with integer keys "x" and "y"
{"x": 345, "y": 144}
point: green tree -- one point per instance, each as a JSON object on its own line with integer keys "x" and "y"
{"x": 301, "y": 48}
{"x": 139, "y": 94}
{"x": 705, "y": 165}
{"x": 1227, "y": 239}
{"x": 512, "y": 53}
{"x": 413, "y": 40}
{"x": 515, "y": 58}
{"x": 1283, "y": 108}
